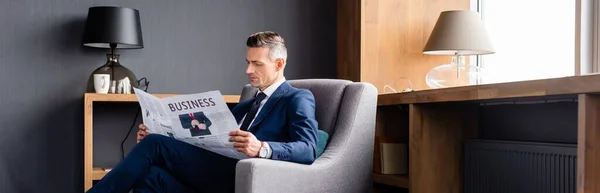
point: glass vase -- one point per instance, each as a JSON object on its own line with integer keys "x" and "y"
{"x": 454, "y": 74}
{"x": 117, "y": 72}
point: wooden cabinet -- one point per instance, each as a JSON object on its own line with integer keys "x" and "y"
{"x": 435, "y": 124}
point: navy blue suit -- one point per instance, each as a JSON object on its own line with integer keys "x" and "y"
{"x": 162, "y": 164}
{"x": 287, "y": 122}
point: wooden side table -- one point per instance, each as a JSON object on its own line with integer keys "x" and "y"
{"x": 89, "y": 172}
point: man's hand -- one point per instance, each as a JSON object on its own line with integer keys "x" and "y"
{"x": 142, "y": 132}
{"x": 202, "y": 126}
{"x": 245, "y": 142}
{"x": 197, "y": 123}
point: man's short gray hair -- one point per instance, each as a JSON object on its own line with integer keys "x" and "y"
{"x": 271, "y": 40}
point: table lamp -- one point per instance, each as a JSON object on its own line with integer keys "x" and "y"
{"x": 114, "y": 28}
{"x": 457, "y": 33}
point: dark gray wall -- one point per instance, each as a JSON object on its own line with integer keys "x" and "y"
{"x": 190, "y": 46}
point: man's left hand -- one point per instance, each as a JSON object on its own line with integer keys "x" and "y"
{"x": 245, "y": 142}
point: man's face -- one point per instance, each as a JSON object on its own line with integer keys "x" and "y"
{"x": 261, "y": 70}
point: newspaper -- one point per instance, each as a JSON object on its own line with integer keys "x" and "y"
{"x": 201, "y": 119}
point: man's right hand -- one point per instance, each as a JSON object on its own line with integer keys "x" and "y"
{"x": 142, "y": 132}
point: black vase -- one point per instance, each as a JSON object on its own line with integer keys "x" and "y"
{"x": 117, "y": 72}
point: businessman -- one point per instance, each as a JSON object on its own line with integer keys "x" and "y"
{"x": 278, "y": 123}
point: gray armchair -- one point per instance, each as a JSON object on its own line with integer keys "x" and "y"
{"x": 346, "y": 111}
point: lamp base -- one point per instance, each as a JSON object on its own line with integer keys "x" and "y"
{"x": 115, "y": 70}
{"x": 450, "y": 75}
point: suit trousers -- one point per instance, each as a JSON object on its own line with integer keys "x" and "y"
{"x": 162, "y": 164}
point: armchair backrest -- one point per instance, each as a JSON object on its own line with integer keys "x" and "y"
{"x": 333, "y": 101}
{"x": 328, "y": 97}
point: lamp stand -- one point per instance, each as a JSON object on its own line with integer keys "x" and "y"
{"x": 459, "y": 61}
{"x": 112, "y": 53}
{"x": 115, "y": 69}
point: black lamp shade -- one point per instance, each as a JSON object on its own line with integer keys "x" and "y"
{"x": 113, "y": 25}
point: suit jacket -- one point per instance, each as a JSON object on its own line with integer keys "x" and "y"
{"x": 287, "y": 122}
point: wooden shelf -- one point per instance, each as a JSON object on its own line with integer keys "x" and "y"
{"x": 98, "y": 173}
{"x": 94, "y": 97}
{"x": 91, "y": 173}
{"x": 534, "y": 88}
{"x": 392, "y": 180}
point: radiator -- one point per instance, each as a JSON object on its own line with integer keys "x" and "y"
{"x": 508, "y": 166}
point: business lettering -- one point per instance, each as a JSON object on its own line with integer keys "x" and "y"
{"x": 192, "y": 104}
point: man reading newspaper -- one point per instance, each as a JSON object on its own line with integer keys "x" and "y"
{"x": 190, "y": 151}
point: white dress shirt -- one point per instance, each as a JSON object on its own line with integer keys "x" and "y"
{"x": 268, "y": 92}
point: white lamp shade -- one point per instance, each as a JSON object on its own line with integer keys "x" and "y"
{"x": 459, "y": 32}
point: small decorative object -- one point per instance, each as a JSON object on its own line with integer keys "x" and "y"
{"x": 457, "y": 33}
{"x": 101, "y": 83}
{"x": 113, "y": 86}
{"x": 124, "y": 86}
{"x": 114, "y": 28}
{"x": 402, "y": 88}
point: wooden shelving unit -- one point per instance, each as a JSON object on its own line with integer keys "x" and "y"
{"x": 435, "y": 123}
{"x": 91, "y": 173}
{"x": 533, "y": 88}
{"x": 93, "y": 97}
{"x": 98, "y": 173}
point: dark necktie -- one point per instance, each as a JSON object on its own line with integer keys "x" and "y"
{"x": 252, "y": 111}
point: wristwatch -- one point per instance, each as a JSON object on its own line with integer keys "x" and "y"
{"x": 262, "y": 153}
